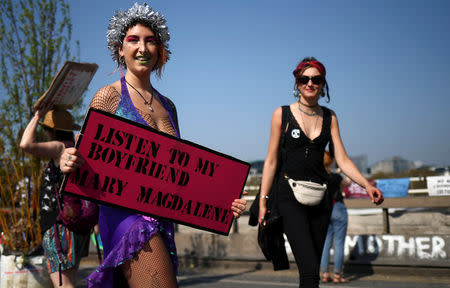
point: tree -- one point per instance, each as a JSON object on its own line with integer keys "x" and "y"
{"x": 35, "y": 39}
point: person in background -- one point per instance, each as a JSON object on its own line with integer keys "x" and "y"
{"x": 337, "y": 229}
{"x": 310, "y": 128}
{"x": 139, "y": 251}
{"x": 58, "y": 125}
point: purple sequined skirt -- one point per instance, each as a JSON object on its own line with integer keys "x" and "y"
{"x": 123, "y": 236}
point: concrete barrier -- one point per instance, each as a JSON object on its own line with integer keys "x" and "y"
{"x": 419, "y": 237}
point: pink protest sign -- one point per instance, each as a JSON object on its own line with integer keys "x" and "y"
{"x": 355, "y": 191}
{"x": 132, "y": 166}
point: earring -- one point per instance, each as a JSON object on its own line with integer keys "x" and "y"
{"x": 122, "y": 65}
{"x": 122, "y": 61}
{"x": 295, "y": 91}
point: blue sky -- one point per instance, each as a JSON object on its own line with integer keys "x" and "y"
{"x": 231, "y": 66}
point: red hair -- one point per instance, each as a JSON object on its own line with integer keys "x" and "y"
{"x": 306, "y": 64}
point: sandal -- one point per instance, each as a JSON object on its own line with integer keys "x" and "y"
{"x": 326, "y": 277}
{"x": 338, "y": 278}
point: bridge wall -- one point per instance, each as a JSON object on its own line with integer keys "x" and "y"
{"x": 419, "y": 238}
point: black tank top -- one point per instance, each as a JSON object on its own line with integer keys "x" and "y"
{"x": 302, "y": 158}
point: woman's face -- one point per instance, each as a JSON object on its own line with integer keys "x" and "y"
{"x": 139, "y": 49}
{"x": 310, "y": 90}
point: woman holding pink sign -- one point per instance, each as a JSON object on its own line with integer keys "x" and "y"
{"x": 294, "y": 166}
{"x": 138, "y": 249}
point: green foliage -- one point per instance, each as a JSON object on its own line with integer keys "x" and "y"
{"x": 35, "y": 40}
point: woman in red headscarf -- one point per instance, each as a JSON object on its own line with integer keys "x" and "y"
{"x": 294, "y": 175}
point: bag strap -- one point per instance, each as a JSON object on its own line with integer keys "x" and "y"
{"x": 328, "y": 118}
{"x": 285, "y": 119}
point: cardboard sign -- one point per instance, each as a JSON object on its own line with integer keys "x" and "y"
{"x": 68, "y": 85}
{"x": 132, "y": 166}
{"x": 394, "y": 187}
{"x": 438, "y": 185}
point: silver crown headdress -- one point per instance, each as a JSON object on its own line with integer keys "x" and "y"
{"x": 123, "y": 20}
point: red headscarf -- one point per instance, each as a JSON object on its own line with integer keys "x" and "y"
{"x": 315, "y": 64}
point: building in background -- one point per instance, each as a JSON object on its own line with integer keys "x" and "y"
{"x": 362, "y": 163}
{"x": 391, "y": 165}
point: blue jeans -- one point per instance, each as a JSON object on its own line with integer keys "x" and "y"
{"x": 337, "y": 230}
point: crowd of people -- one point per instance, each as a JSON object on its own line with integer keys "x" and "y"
{"x": 140, "y": 249}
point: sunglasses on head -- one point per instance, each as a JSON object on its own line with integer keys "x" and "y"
{"x": 316, "y": 80}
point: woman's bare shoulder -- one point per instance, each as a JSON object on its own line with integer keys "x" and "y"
{"x": 107, "y": 98}
{"x": 111, "y": 90}
{"x": 277, "y": 115}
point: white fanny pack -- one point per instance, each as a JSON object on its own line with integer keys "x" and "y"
{"x": 307, "y": 192}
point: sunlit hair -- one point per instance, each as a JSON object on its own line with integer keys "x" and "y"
{"x": 162, "y": 58}
{"x": 325, "y": 85}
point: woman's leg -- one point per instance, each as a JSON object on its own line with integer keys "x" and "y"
{"x": 66, "y": 258}
{"x": 152, "y": 266}
{"x": 324, "y": 262}
{"x": 340, "y": 231}
{"x": 68, "y": 277}
{"x": 297, "y": 229}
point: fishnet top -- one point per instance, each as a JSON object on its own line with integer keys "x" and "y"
{"x": 107, "y": 99}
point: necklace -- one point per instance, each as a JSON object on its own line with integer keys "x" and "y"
{"x": 315, "y": 126}
{"x": 309, "y": 106}
{"x": 149, "y": 104}
{"x": 314, "y": 113}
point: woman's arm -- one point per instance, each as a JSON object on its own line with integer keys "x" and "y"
{"x": 106, "y": 99}
{"x": 347, "y": 165}
{"x": 345, "y": 182}
{"x": 271, "y": 162}
{"x": 50, "y": 149}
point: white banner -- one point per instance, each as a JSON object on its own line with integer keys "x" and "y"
{"x": 438, "y": 185}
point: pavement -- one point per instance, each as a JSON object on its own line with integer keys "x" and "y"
{"x": 255, "y": 274}
{"x": 232, "y": 272}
